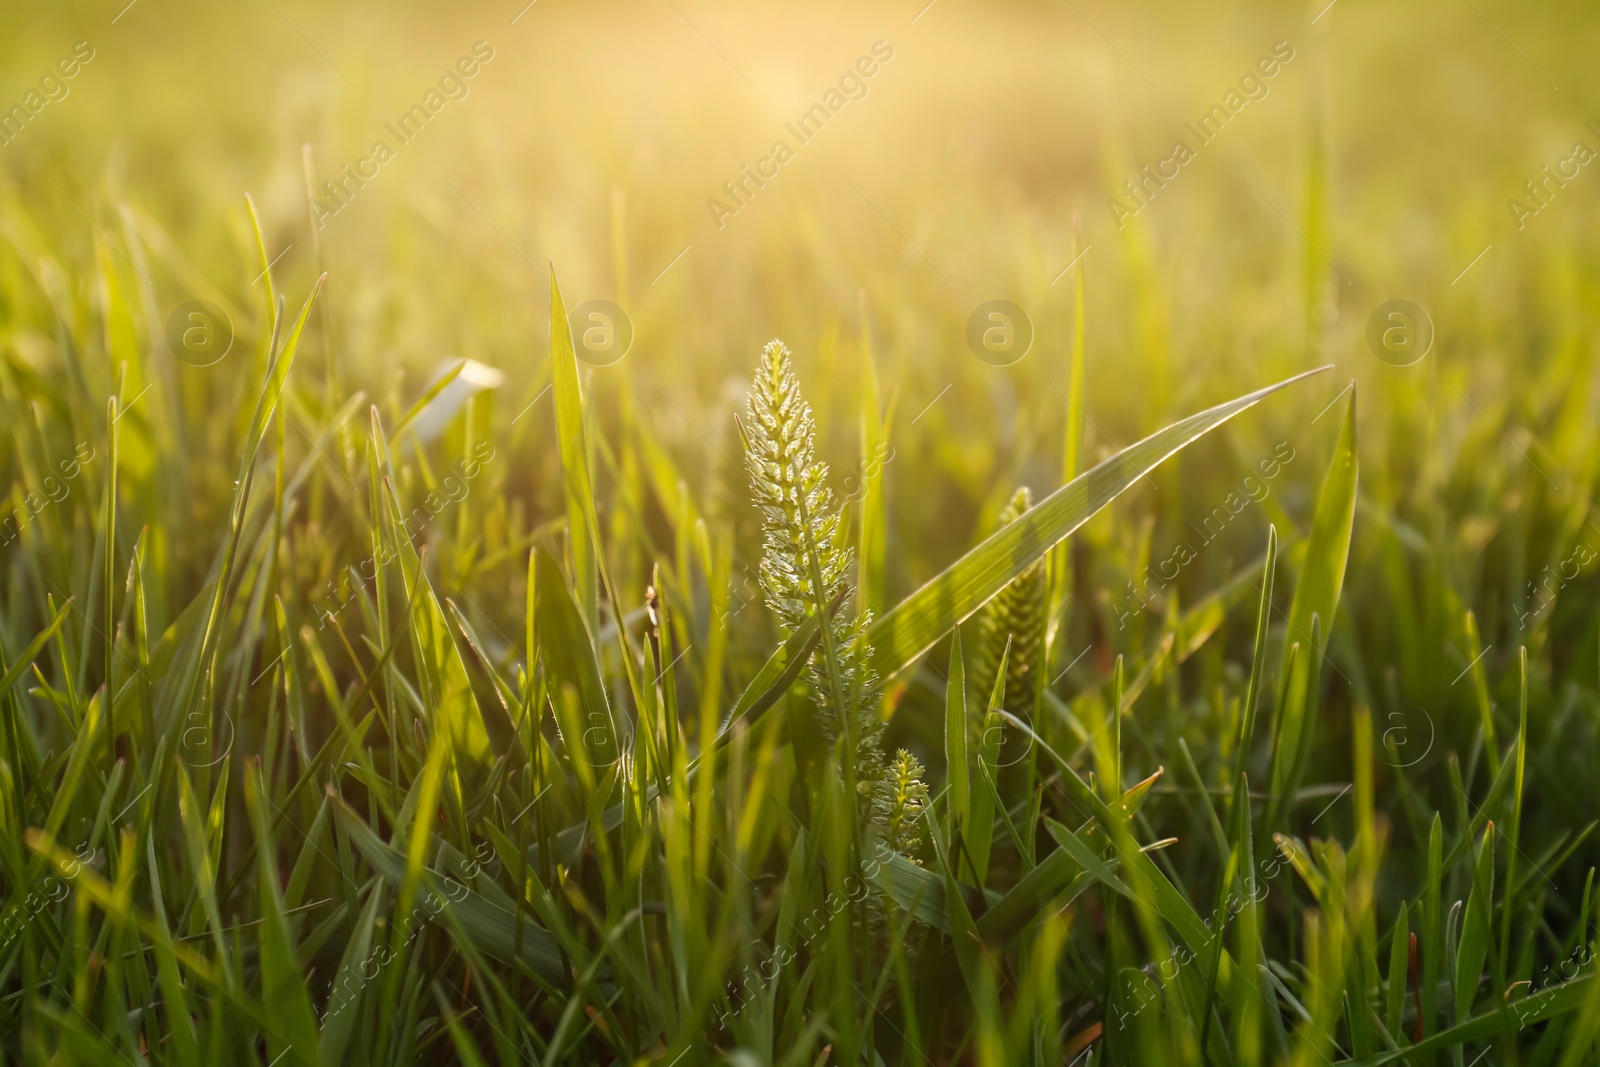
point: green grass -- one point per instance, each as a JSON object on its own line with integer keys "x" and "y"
{"x": 354, "y": 709}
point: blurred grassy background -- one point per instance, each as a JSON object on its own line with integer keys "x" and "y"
{"x": 596, "y": 135}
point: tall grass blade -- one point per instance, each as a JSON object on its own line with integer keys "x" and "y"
{"x": 912, "y": 626}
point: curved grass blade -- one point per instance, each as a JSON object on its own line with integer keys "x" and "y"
{"x": 25, "y": 661}
{"x": 913, "y": 626}
{"x": 985, "y": 799}
{"x": 428, "y": 396}
{"x": 778, "y": 673}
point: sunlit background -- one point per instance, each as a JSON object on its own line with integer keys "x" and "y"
{"x": 978, "y": 165}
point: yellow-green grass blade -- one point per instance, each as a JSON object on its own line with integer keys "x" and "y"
{"x": 261, "y": 251}
{"x": 1474, "y": 947}
{"x": 109, "y": 537}
{"x": 1057, "y": 876}
{"x": 1072, "y": 447}
{"x": 283, "y": 989}
{"x": 118, "y": 905}
{"x": 1258, "y": 656}
{"x": 72, "y": 778}
{"x": 1432, "y": 927}
{"x": 568, "y": 653}
{"x": 180, "y": 1023}
{"x": 578, "y": 487}
{"x": 1147, "y": 887}
{"x": 1514, "y": 834}
{"x": 347, "y": 983}
{"x": 1238, "y": 877}
{"x": 428, "y": 396}
{"x": 1317, "y": 594}
{"x": 1480, "y": 692}
{"x": 771, "y": 682}
{"x": 202, "y": 864}
{"x": 985, "y": 799}
{"x": 958, "y": 780}
{"x": 1394, "y": 1001}
{"x": 964, "y": 936}
{"x": 465, "y": 1047}
{"x": 1491, "y": 802}
{"x": 1247, "y": 993}
{"x": 920, "y": 620}
{"x": 867, "y": 486}
{"x": 266, "y": 404}
{"x": 779, "y": 672}
{"x": 25, "y": 661}
{"x": 503, "y": 689}
{"x": 447, "y": 690}
{"x": 1581, "y": 1037}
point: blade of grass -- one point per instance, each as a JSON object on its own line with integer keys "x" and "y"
{"x": 912, "y": 626}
